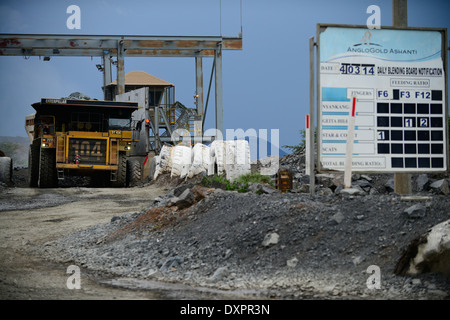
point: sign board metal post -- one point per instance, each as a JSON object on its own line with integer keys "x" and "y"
{"x": 349, "y": 149}
{"x": 307, "y": 146}
{"x": 312, "y": 177}
{"x": 402, "y": 181}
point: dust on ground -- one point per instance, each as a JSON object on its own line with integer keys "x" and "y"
{"x": 30, "y": 218}
{"x": 226, "y": 245}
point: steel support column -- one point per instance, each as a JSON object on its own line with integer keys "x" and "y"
{"x": 120, "y": 68}
{"x": 219, "y": 92}
{"x": 107, "y": 74}
{"x": 156, "y": 129}
{"x": 199, "y": 95}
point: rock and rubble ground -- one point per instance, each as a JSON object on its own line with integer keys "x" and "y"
{"x": 268, "y": 244}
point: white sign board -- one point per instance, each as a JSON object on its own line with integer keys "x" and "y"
{"x": 398, "y": 79}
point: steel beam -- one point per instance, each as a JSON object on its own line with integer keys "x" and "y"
{"x": 134, "y": 46}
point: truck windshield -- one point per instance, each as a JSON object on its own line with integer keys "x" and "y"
{"x": 119, "y": 124}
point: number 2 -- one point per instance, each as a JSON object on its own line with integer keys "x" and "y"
{"x": 424, "y": 122}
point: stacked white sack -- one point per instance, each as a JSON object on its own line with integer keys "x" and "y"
{"x": 181, "y": 161}
{"x": 200, "y": 160}
{"x": 163, "y": 161}
{"x": 217, "y": 157}
{"x": 231, "y": 158}
{"x": 242, "y": 164}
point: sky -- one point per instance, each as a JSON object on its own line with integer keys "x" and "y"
{"x": 265, "y": 85}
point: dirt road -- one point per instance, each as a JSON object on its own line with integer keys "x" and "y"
{"x": 33, "y": 217}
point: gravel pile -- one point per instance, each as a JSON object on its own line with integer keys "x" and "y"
{"x": 281, "y": 245}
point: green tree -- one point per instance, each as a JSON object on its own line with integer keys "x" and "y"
{"x": 302, "y": 143}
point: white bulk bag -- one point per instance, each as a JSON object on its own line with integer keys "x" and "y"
{"x": 163, "y": 161}
{"x": 217, "y": 156}
{"x": 200, "y": 160}
{"x": 181, "y": 161}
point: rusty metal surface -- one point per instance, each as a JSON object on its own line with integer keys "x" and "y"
{"x": 87, "y": 45}
{"x": 284, "y": 180}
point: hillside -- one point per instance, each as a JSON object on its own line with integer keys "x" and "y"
{"x": 16, "y": 148}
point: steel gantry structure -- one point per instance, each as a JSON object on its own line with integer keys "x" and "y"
{"x": 120, "y": 47}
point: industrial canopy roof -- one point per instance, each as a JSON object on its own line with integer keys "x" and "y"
{"x": 142, "y": 78}
{"x": 123, "y": 46}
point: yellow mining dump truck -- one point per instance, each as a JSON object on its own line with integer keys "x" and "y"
{"x": 80, "y": 137}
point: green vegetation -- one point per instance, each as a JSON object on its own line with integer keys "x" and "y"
{"x": 302, "y": 143}
{"x": 255, "y": 177}
{"x": 241, "y": 184}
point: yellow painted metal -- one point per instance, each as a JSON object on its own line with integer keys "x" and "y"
{"x": 85, "y": 166}
{"x": 114, "y": 144}
{"x": 127, "y": 134}
{"x": 60, "y": 148}
{"x": 114, "y": 152}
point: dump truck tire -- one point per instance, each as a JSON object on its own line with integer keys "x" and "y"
{"x": 47, "y": 169}
{"x": 6, "y": 169}
{"x": 121, "y": 177}
{"x": 33, "y": 165}
{"x": 134, "y": 171}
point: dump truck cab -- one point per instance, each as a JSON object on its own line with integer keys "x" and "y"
{"x": 80, "y": 137}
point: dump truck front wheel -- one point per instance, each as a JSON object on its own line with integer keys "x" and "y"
{"x": 33, "y": 165}
{"x": 134, "y": 171}
{"x": 121, "y": 175}
{"x": 47, "y": 169}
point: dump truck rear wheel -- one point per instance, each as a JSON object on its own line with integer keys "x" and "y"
{"x": 5, "y": 169}
{"x": 47, "y": 169}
